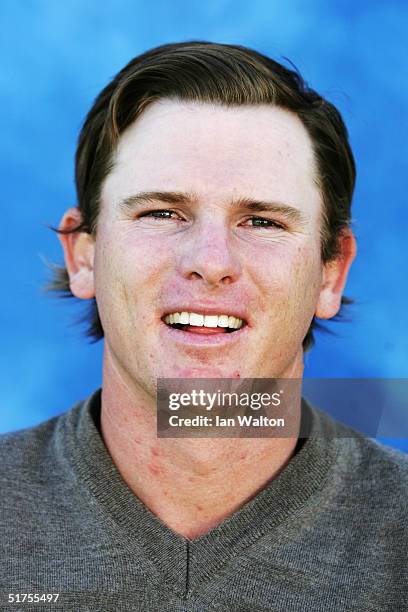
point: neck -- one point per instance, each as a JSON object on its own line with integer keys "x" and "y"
{"x": 191, "y": 485}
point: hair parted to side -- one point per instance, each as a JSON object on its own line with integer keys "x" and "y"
{"x": 230, "y": 75}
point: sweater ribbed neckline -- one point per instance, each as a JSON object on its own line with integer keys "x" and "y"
{"x": 181, "y": 563}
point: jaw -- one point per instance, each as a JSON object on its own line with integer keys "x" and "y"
{"x": 242, "y": 354}
{"x": 164, "y": 352}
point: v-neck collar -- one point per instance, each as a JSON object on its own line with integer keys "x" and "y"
{"x": 180, "y": 563}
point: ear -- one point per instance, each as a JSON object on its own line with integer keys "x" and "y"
{"x": 335, "y": 276}
{"x": 79, "y": 250}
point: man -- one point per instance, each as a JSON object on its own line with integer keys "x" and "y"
{"x": 214, "y": 193}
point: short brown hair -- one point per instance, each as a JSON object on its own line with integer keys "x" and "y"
{"x": 230, "y": 75}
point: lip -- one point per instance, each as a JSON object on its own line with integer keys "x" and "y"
{"x": 218, "y": 340}
{"x": 218, "y": 309}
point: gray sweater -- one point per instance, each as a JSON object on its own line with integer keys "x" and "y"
{"x": 329, "y": 533}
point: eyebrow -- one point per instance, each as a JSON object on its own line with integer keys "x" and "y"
{"x": 176, "y": 197}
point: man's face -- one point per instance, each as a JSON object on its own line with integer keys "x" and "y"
{"x": 218, "y": 249}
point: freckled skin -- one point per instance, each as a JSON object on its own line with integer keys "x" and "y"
{"x": 154, "y": 470}
{"x": 208, "y": 251}
{"x": 262, "y": 153}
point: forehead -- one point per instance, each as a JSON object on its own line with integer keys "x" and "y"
{"x": 217, "y": 152}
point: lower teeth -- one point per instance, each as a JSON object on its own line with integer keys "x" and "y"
{"x": 182, "y": 327}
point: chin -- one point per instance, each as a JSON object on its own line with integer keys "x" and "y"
{"x": 206, "y": 371}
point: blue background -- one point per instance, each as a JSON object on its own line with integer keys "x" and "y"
{"x": 55, "y": 58}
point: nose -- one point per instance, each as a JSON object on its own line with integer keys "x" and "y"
{"x": 209, "y": 255}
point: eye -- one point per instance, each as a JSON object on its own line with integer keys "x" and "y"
{"x": 160, "y": 214}
{"x": 261, "y": 222}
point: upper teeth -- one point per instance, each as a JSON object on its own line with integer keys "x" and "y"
{"x": 198, "y": 320}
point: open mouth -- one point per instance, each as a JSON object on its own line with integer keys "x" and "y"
{"x": 203, "y": 324}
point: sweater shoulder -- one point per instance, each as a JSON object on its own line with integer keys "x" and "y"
{"x": 381, "y": 464}
{"x": 29, "y": 455}
{"x": 22, "y": 446}
{"x": 373, "y": 479}
{"x": 366, "y": 471}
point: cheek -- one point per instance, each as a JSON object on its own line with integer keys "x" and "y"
{"x": 127, "y": 273}
{"x": 108, "y": 283}
{"x": 308, "y": 273}
{"x": 292, "y": 281}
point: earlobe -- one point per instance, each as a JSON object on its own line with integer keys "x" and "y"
{"x": 335, "y": 276}
{"x": 79, "y": 251}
